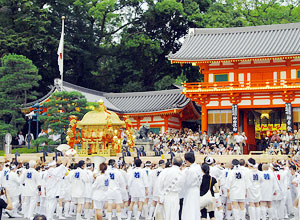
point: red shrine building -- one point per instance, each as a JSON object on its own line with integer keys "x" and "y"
{"x": 162, "y": 111}
{"x": 251, "y": 78}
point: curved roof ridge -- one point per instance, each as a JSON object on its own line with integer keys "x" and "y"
{"x": 80, "y": 88}
{"x": 270, "y": 27}
{"x": 146, "y": 93}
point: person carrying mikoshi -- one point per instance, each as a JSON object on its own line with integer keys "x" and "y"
{"x": 138, "y": 188}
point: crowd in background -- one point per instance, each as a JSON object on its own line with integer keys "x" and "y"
{"x": 220, "y": 143}
{"x": 223, "y": 142}
{"x": 281, "y": 142}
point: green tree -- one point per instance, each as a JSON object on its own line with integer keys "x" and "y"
{"x": 60, "y": 107}
{"x": 18, "y": 78}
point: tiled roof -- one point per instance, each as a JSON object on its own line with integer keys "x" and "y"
{"x": 240, "y": 42}
{"x": 134, "y": 102}
{"x": 152, "y": 101}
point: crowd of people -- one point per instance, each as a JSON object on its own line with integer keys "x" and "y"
{"x": 168, "y": 190}
{"x": 223, "y": 142}
{"x": 220, "y": 143}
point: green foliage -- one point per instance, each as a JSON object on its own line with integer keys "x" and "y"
{"x": 25, "y": 150}
{"x": 121, "y": 46}
{"x": 60, "y": 107}
{"x": 18, "y": 78}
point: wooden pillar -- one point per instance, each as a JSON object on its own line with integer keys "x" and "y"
{"x": 288, "y": 69}
{"x": 138, "y": 122}
{"x": 204, "y": 70}
{"x": 245, "y": 125}
{"x": 166, "y": 122}
{"x": 203, "y": 118}
{"x": 236, "y": 72}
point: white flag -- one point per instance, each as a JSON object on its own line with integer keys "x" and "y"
{"x": 60, "y": 51}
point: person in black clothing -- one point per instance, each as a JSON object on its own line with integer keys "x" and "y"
{"x": 208, "y": 182}
{"x": 5, "y": 205}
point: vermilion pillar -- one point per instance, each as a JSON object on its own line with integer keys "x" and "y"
{"x": 245, "y": 126}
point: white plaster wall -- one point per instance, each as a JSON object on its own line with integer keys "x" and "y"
{"x": 296, "y": 101}
{"x": 245, "y": 102}
{"x": 248, "y": 77}
{"x": 261, "y": 61}
{"x": 132, "y": 119}
{"x": 213, "y": 103}
{"x": 293, "y": 74}
{"x": 157, "y": 118}
{"x": 226, "y": 103}
{"x": 145, "y": 119}
{"x": 231, "y": 77}
{"x": 275, "y": 76}
{"x": 278, "y": 102}
{"x": 215, "y": 64}
{"x": 241, "y": 77}
{"x": 210, "y": 78}
{"x": 261, "y": 102}
{"x": 283, "y": 75}
{"x": 245, "y": 62}
{"x": 173, "y": 119}
{"x": 152, "y": 123}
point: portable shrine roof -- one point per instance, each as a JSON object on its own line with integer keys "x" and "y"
{"x": 239, "y": 42}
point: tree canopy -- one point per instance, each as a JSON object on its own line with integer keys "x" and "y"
{"x": 60, "y": 107}
{"x": 121, "y": 45}
{"x": 18, "y": 79}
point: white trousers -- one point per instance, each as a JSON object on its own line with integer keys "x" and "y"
{"x": 51, "y": 205}
{"x": 191, "y": 204}
{"x": 29, "y": 206}
{"x": 171, "y": 206}
{"x": 278, "y": 209}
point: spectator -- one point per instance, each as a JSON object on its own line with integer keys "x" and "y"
{"x": 5, "y": 205}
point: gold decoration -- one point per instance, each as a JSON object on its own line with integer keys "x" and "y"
{"x": 100, "y": 132}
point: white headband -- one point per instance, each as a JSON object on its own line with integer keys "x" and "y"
{"x": 252, "y": 165}
{"x": 53, "y": 163}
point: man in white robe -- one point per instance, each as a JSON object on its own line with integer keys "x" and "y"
{"x": 192, "y": 180}
{"x": 171, "y": 183}
{"x": 31, "y": 180}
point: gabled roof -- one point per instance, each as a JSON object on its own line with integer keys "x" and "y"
{"x": 145, "y": 102}
{"x": 240, "y": 42}
{"x": 126, "y": 103}
{"x": 90, "y": 94}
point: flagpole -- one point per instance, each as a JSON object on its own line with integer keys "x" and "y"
{"x": 63, "y": 32}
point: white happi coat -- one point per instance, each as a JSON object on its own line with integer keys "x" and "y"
{"x": 155, "y": 184}
{"x": 170, "y": 184}
{"x": 236, "y": 183}
{"x": 78, "y": 178}
{"x": 268, "y": 186}
{"x": 88, "y": 184}
{"x": 12, "y": 183}
{"x": 148, "y": 172}
{"x": 223, "y": 180}
{"x": 53, "y": 181}
{"x": 31, "y": 178}
{"x": 116, "y": 183}
{"x": 137, "y": 182}
{"x": 192, "y": 180}
{"x": 254, "y": 179}
{"x": 100, "y": 187}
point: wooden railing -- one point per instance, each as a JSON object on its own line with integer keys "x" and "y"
{"x": 242, "y": 84}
